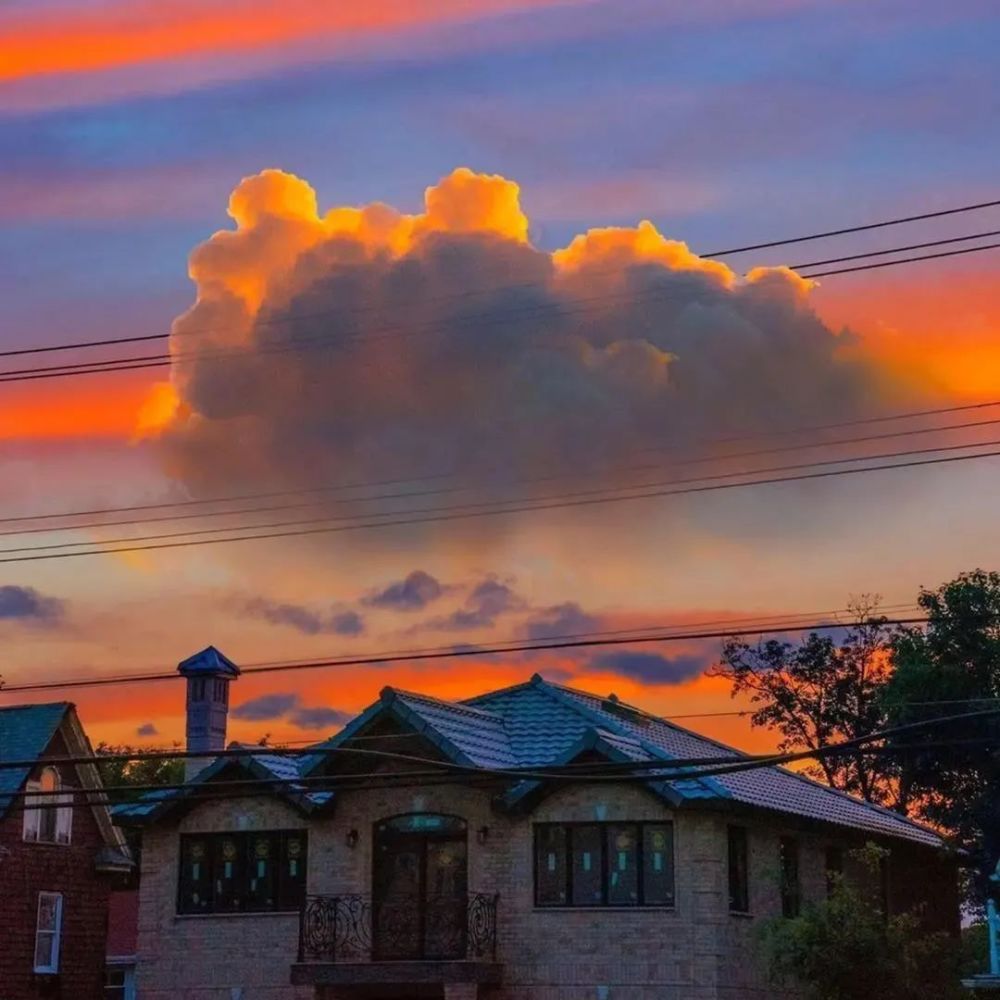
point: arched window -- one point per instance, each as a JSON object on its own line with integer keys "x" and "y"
{"x": 48, "y": 819}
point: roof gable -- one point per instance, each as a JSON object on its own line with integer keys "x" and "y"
{"x": 25, "y": 733}
{"x": 256, "y": 764}
{"x": 539, "y": 724}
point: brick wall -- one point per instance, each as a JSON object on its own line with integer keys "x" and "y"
{"x": 695, "y": 951}
{"x": 207, "y": 957}
{"x": 26, "y": 870}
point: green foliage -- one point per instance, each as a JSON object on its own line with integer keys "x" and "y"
{"x": 975, "y": 949}
{"x": 129, "y": 774}
{"x": 950, "y": 667}
{"x": 845, "y": 948}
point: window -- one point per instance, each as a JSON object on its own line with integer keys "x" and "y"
{"x": 739, "y": 876}
{"x": 253, "y": 872}
{"x": 48, "y": 819}
{"x": 788, "y": 853}
{"x": 48, "y": 932}
{"x": 834, "y": 867}
{"x": 114, "y": 983}
{"x": 119, "y": 982}
{"x": 604, "y": 864}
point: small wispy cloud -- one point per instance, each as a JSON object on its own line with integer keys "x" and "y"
{"x": 413, "y": 593}
{"x": 267, "y": 707}
{"x": 318, "y": 717}
{"x": 653, "y": 668}
{"x": 25, "y": 604}
{"x": 304, "y": 619}
{"x": 558, "y": 620}
{"x": 288, "y": 705}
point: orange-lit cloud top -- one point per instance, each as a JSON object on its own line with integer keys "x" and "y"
{"x": 369, "y": 343}
{"x": 126, "y": 33}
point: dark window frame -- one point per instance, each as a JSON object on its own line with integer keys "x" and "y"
{"x": 738, "y": 860}
{"x": 790, "y": 877}
{"x": 833, "y": 865}
{"x": 288, "y": 891}
{"x": 639, "y": 828}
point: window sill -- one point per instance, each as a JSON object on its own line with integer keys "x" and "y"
{"x": 47, "y": 843}
{"x": 237, "y": 916}
{"x": 741, "y": 914}
{"x": 604, "y": 909}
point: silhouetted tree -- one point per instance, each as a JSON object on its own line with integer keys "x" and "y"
{"x": 823, "y": 690}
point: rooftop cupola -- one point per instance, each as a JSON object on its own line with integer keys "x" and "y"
{"x": 208, "y": 675}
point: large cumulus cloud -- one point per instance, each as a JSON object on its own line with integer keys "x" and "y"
{"x": 364, "y": 345}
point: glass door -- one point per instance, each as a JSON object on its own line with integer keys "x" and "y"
{"x": 419, "y": 888}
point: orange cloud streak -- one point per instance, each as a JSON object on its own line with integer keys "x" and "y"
{"x": 127, "y": 33}
{"x": 934, "y": 329}
{"x": 110, "y": 406}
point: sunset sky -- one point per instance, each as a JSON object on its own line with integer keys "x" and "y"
{"x": 397, "y": 177}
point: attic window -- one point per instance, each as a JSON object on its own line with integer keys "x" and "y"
{"x": 48, "y": 818}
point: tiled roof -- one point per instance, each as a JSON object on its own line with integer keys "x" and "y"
{"x": 261, "y": 764}
{"x": 539, "y": 723}
{"x": 25, "y": 732}
{"x": 479, "y": 735}
{"x": 770, "y": 788}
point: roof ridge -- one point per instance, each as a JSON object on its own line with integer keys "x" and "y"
{"x": 21, "y": 706}
{"x": 652, "y": 715}
{"x": 504, "y": 690}
{"x": 461, "y": 706}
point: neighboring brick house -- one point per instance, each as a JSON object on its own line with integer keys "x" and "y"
{"x": 347, "y": 880}
{"x": 57, "y": 864}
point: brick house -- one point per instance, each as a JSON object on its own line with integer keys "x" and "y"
{"x": 347, "y": 880}
{"x": 58, "y": 863}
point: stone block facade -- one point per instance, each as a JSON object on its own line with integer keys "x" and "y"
{"x": 695, "y": 950}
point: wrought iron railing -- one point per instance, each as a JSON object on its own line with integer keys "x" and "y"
{"x": 353, "y": 928}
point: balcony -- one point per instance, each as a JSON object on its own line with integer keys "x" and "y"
{"x": 350, "y": 940}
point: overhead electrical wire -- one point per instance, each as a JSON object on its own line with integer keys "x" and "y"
{"x": 125, "y": 364}
{"x": 574, "y": 476}
{"x": 905, "y": 260}
{"x": 708, "y": 254}
{"x": 323, "y": 342}
{"x": 402, "y": 480}
{"x": 662, "y": 770}
{"x": 410, "y": 656}
{"x": 494, "y": 509}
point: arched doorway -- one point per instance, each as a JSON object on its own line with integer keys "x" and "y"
{"x": 419, "y": 887}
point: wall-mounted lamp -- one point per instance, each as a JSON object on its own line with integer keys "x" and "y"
{"x": 482, "y": 834}
{"x": 351, "y": 839}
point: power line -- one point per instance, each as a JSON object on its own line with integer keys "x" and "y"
{"x": 527, "y": 480}
{"x": 755, "y": 623}
{"x": 341, "y": 487}
{"x": 108, "y": 342}
{"x": 448, "y": 654}
{"x": 905, "y": 260}
{"x": 855, "y": 229}
{"x": 661, "y": 770}
{"x": 469, "y": 511}
{"x": 903, "y": 249}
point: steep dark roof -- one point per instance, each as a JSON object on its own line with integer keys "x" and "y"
{"x": 25, "y": 732}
